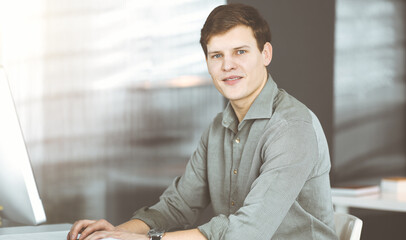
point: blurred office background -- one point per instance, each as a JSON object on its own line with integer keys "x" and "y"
{"x": 113, "y": 95}
{"x": 112, "y": 98}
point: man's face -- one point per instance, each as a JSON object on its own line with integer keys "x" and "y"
{"x": 236, "y": 65}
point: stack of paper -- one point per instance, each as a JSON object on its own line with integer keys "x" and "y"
{"x": 393, "y": 185}
{"x": 355, "y": 190}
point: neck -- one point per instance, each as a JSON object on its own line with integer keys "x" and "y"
{"x": 240, "y": 111}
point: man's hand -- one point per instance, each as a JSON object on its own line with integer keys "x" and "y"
{"x": 87, "y": 227}
{"x": 116, "y": 234}
{"x": 91, "y": 229}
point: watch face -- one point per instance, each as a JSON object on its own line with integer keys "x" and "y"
{"x": 156, "y": 234}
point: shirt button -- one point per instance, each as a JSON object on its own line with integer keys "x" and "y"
{"x": 237, "y": 140}
{"x": 232, "y": 203}
{"x": 235, "y": 171}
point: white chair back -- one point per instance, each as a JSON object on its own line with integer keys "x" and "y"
{"x": 348, "y": 227}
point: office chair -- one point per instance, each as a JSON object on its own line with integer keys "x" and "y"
{"x": 348, "y": 227}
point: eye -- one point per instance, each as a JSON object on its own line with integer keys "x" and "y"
{"x": 239, "y": 52}
{"x": 216, "y": 56}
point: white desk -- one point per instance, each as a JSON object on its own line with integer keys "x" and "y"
{"x": 48, "y": 231}
{"x": 385, "y": 202}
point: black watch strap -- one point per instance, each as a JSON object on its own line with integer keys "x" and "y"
{"x": 155, "y": 234}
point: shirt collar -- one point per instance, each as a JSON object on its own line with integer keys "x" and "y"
{"x": 261, "y": 108}
{"x": 230, "y": 120}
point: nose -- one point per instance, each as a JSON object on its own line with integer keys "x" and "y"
{"x": 228, "y": 64}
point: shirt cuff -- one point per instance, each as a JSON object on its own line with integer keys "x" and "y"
{"x": 215, "y": 228}
{"x": 153, "y": 218}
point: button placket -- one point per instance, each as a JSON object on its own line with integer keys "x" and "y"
{"x": 234, "y": 172}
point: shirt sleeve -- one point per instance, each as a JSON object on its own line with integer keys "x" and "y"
{"x": 183, "y": 201}
{"x": 289, "y": 158}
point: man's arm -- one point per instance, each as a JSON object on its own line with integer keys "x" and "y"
{"x": 138, "y": 226}
{"x": 134, "y": 229}
{"x": 192, "y": 234}
{"x": 135, "y": 226}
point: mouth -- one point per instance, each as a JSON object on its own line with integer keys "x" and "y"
{"x": 232, "y": 79}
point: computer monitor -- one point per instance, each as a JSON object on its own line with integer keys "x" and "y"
{"x": 19, "y": 195}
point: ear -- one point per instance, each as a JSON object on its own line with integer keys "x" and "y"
{"x": 267, "y": 53}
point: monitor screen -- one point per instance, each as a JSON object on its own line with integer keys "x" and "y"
{"x": 19, "y": 195}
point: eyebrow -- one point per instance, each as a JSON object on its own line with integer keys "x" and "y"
{"x": 243, "y": 46}
{"x": 236, "y": 48}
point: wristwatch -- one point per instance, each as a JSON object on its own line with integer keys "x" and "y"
{"x": 156, "y": 234}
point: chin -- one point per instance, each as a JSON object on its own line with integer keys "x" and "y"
{"x": 232, "y": 97}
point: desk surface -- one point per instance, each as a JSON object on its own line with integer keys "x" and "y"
{"x": 382, "y": 201}
{"x": 35, "y": 229}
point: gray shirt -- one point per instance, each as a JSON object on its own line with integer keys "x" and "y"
{"x": 266, "y": 177}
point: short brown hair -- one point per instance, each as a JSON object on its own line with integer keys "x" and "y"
{"x": 225, "y": 17}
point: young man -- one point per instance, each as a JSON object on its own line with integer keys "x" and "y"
{"x": 263, "y": 163}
